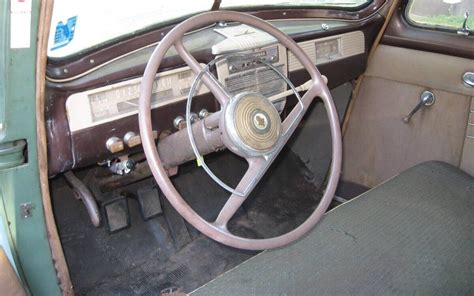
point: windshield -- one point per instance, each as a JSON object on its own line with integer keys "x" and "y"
{"x": 322, "y": 3}
{"x": 79, "y": 25}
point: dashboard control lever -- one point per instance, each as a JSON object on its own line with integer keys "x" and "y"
{"x": 427, "y": 99}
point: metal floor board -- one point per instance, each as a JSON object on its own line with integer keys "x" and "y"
{"x": 143, "y": 260}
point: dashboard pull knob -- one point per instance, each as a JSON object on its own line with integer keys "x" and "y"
{"x": 114, "y": 145}
{"x": 131, "y": 139}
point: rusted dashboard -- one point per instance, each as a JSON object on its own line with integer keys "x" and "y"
{"x": 88, "y": 103}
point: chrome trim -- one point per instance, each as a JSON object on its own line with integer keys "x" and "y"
{"x": 468, "y": 79}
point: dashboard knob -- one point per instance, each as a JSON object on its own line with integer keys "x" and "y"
{"x": 131, "y": 139}
{"x": 179, "y": 122}
{"x": 114, "y": 144}
{"x": 194, "y": 117}
{"x": 203, "y": 113}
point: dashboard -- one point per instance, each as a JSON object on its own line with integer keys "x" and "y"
{"x": 85, "y": 111}
{"x": 119, "y": 100}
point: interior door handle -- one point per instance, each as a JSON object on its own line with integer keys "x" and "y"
{"x": 468, "y": 79}
{"x": 427, "y": 99}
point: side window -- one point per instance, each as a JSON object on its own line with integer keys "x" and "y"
{"x": 442, "y": 14}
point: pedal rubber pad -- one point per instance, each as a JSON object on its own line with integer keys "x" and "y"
{"x": 116, "y": 214}
{"x": 177, "y": 227}
{"x": 149, "y": 201}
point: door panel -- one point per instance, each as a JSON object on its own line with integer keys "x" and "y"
{"x": 431, "y": 70}
{"x": 377, "y": 144}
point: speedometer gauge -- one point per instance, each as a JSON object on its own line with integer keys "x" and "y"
{"x": 119, "y": 100}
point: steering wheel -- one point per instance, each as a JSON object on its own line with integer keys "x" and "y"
{"x": 248, "y": 125}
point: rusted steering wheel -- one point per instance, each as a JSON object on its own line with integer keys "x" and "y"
{"x": 248, "y": 125}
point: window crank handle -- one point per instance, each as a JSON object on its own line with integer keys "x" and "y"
{"x": 427, "y": 99}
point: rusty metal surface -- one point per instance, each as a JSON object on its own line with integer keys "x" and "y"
{"x": 144, "y": 259}
{"x": 60, "y": 265}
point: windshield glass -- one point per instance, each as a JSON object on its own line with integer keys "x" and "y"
{"x": 79, "y": 25}
{"x": 316, "y": 3}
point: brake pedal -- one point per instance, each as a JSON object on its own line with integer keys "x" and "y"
{"x": 116, "y": 214}
{"x": 149, "y": 201}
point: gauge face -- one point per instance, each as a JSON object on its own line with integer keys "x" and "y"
{"x": 124, "y": 99}
{"x": 119, "y": 100}
{"x": 327, "y": 50}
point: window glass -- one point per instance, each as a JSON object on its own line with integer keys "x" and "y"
{"x": 79, "y": 25}
{"x": 276, "y": 3}
{"x": 447, "y": 14}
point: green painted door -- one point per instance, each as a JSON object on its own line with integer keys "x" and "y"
{"x": 21, "y": 209}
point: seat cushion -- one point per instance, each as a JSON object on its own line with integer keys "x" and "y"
{"x": 411, "y": 234}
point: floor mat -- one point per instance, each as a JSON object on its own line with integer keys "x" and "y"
{"x": 143, "y": 260}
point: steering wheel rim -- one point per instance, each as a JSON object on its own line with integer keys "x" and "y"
{"x": 215, "y": 230}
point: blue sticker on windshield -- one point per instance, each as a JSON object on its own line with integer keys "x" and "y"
{"x": 64, "y": 33}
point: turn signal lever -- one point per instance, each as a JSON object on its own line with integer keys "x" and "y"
{"x": 427, "y": 99}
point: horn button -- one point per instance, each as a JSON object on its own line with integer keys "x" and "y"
{"x": 253, "y": 123}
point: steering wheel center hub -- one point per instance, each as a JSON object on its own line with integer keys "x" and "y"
{"x": 253, "y": 123}
{"x": 261, "y": 122}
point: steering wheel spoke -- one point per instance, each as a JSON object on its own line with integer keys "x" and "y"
{"x": 210, "y": 81}
{"x": 295, "y": 116}
{"x": 257, "y": 168}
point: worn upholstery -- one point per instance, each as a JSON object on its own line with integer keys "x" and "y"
{"x": 411, "y": 235}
